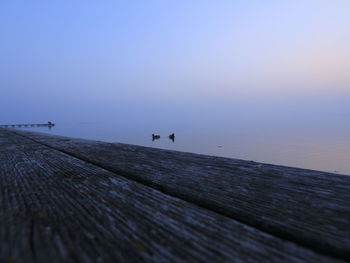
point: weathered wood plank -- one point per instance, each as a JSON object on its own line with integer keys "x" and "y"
{"x": 307, "y": 207}
{"x": 57, "y": 208}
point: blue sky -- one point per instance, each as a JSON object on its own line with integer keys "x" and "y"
{"x": 70, "y": 56}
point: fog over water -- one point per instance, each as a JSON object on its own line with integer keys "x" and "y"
{"x": 259, "y": 80}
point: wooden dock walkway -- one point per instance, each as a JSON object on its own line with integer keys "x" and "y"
{"x": 73, "y": 200}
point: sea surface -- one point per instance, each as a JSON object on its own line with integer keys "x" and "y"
{"x": 314, "y": 136}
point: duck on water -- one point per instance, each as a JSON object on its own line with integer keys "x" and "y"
{"x": 172, "y": 137}
{"x": 155, "y": 137}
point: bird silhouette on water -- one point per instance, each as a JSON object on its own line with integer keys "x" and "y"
{"x": 172, "y": 137}
{"x": 155, "y": 137}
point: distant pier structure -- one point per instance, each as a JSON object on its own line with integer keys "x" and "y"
{"x": 48, "y": 124}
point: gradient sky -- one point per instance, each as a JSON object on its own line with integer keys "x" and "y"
{"x": 63, "y": 59}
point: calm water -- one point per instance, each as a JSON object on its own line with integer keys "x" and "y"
{"x": 312, "y": 136}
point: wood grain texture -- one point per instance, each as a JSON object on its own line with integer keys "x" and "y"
{"x": 57, "y": 208}
{"x": 308, "y": 207}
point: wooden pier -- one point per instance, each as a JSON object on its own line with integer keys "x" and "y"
{"x": 74, "y": 200}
